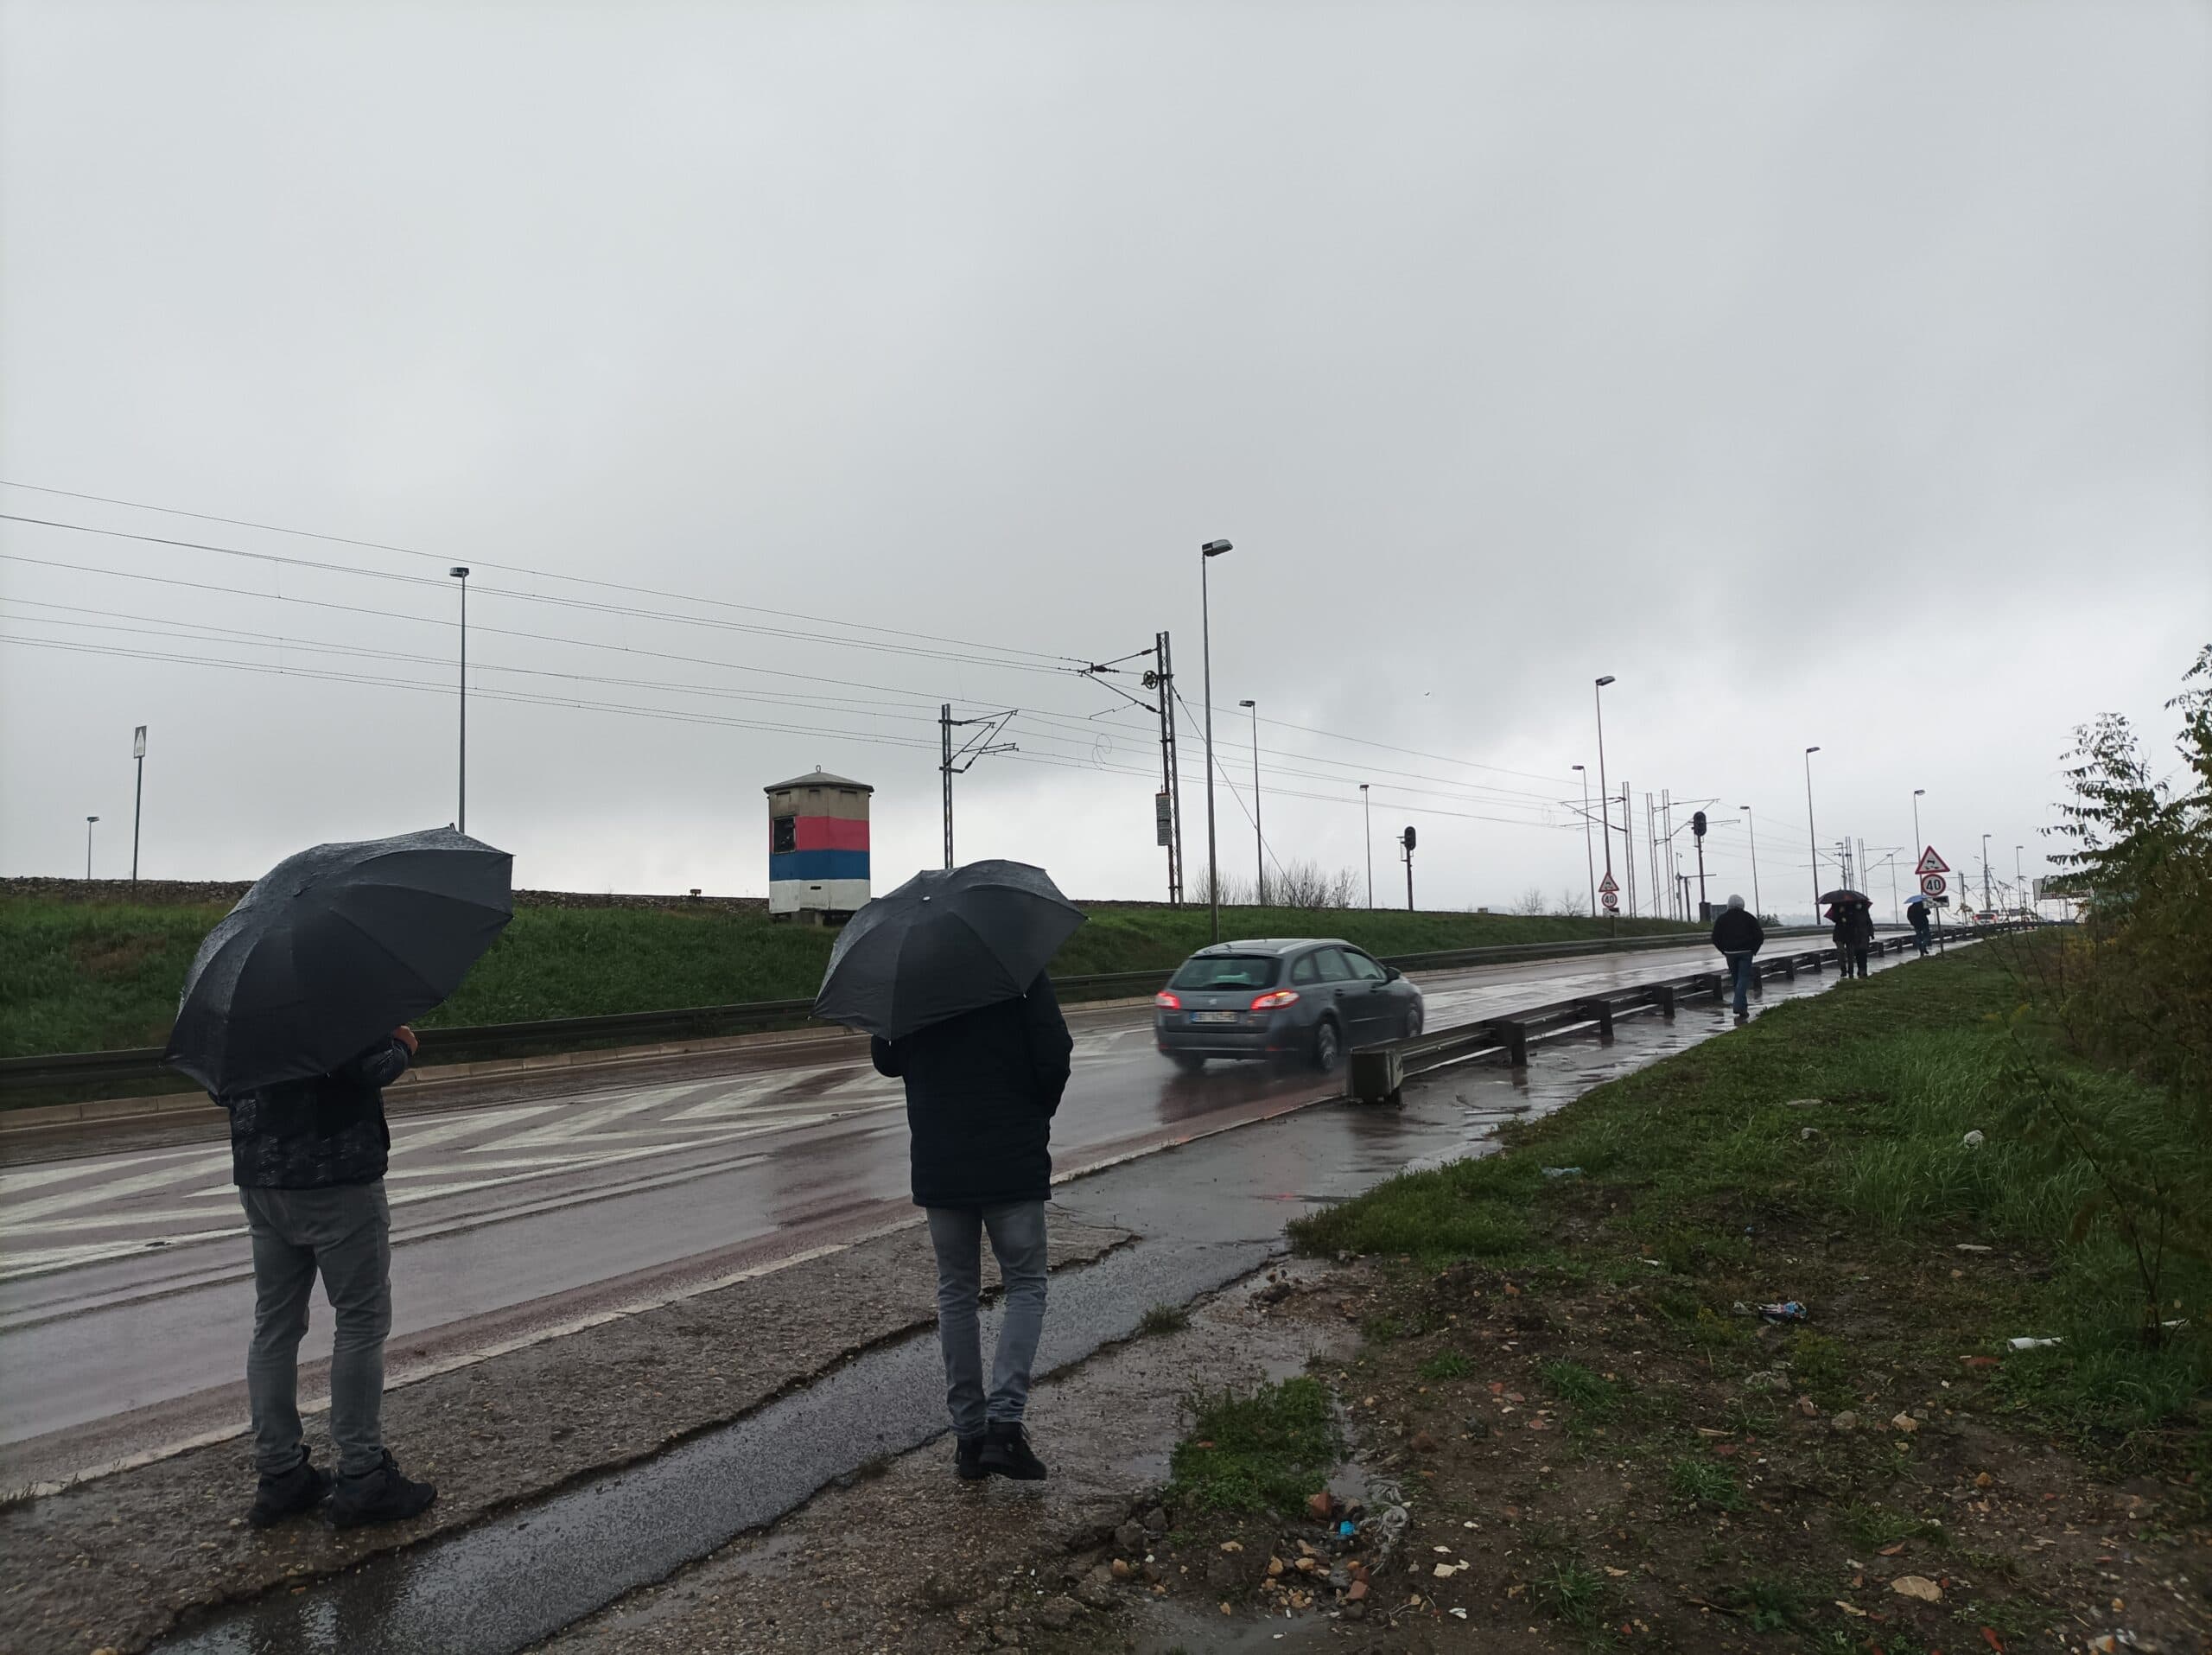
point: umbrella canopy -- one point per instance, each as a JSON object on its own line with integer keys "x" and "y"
{"x": 949, "y": 940}
{"x": 1848, "y": 896}
{"x": 332, "y": 948}
{"x": 1916, "y": 897}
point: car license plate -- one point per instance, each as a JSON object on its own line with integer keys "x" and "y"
{"x": 1213, "y": 1017}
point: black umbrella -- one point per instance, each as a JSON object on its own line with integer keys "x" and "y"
{"x": 1848, "y": 896}
{"x": 947, "y": 941}
{"x": 332, "y": 948}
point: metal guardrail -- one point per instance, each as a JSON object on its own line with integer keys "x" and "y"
{"x": 483, "y": 1043}
{"x": 1379, "y": 1072}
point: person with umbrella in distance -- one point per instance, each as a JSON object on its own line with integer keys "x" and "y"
{"x": 947, "y": 973}
{"x": 1740, "y": 936}
{"x": 1915, "y": 913}
{"x": 1852, "y": 916}
{"x": 294, "y": 1016}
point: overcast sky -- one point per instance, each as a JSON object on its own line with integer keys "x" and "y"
{"x": 1832, "y": 374}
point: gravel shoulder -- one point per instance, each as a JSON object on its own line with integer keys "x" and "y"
{"x": 113, "y": 1562}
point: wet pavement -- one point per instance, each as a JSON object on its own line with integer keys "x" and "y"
{"x": 1205, "y": 1212}
{"x": 125, "y": 1282}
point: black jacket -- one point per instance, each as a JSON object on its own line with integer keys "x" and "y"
{"x": 981, "y": 1089}
{"x": 1738, "y": 930}
{"x": 1918, "y": 914}
{"x": 1854, "y": 926}
{"x": 313, "y": 1134}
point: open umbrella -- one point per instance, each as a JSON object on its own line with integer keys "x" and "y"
{"x": 1848, "y": 896}
{"x": 949, "y": 940}
{"x": 332, "y": 948}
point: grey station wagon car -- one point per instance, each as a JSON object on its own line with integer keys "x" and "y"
{"x": 1313, "y": 997}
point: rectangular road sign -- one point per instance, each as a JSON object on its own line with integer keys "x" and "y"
{"x": 1931, "y": 863}
{"x": 1163, "y": 817}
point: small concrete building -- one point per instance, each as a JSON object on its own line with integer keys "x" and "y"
{"x": 817, "y": 848}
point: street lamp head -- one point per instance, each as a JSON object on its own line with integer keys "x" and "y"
{"x": 138, "y": 743}
{"x": 89, "y": 819}
{"x": 1602, "y": 682}
{"x": 1743, "y": 807}
{"x": 1918, "y": 792}
{"x": 1362, "y": 786}
{"x": 458, "y": 571}
{"x": 1247, "y": 703}
{"x": 1578, "y": 767}
{"x": 1812, "y": 749}
{"x": 1215, "y": 548}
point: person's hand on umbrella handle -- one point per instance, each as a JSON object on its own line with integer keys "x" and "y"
{"x": 405, "y": 1036}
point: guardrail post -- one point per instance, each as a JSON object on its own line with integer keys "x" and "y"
{"x": 1663, "y": 997}
{"x": 1602, "y": 1012}
{"x": 1516, "y": 1039}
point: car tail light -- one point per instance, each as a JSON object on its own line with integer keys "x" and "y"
{"x": 1276, "y": 1001}
{"x": 1167, "y": 1002}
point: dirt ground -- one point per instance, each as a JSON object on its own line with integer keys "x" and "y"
{"x": 112, "y": 1562}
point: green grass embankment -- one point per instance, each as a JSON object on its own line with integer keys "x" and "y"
{"x": 1824, "y": 1154}
{"x": 98, "y": 975}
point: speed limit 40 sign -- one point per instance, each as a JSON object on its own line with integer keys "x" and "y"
{"x": 1932, "y": 885}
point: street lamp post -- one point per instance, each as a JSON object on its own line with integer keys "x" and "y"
{"x": 1918, "y": 845}
{"x": 138, "y": 795}
{"x": 2019, "y": 877}
{"x": 1259, "y": 840}
{"x": 1751, "y": 827}
{"x": 1606, "y": 820}
{"x": 461, "y": 820}
{"x": 1367, "y": 810}
{"x": 1812, "y": 839}
{"x": 1986, "y": 905}
{"x": 1207, "y": 553}
{"x": 1589, "y": 857}
{"x": 89, "y": 820}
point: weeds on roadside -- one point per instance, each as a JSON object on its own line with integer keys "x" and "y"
{"x": 1445, "y": 1364}
{"x": 1267, "y": 1450}
{"x": 1703, "y": 1482}
{"x": 1164, "y": 1319}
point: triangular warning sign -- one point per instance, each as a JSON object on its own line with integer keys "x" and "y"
{"x": 1606, "y": 884}
{"x": 1932, "y": 863}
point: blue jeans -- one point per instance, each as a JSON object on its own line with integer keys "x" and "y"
{"x": 344, "y": 1235}
{"x": 1743, "y": 970}
{"x": 1017, "y": 1235}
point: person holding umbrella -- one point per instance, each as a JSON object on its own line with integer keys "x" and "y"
{"x": 293, "y": 1017}
{"x": 1915, "y": 912}
{"x": 1852, "y": 915}
{"x": 947, "y": 973}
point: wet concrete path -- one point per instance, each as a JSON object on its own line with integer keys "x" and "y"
{"x": 1207, "y": 1214}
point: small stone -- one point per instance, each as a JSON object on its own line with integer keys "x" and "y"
{"x": 1846, "y": 1421}
{"x": 1057, "y": 1613}
{"x": 1120, "y": 1569}
{"x": 1098, "y": 1589}
{"x": 1905, "y": 1423}
{"x": 1356, "y": 1593}
{"x": 1155, "y": 1521}
{"x": 1321, "y": 1505}
{"x": 1918, "y": 1586}
{"x": 1129, "y": 1537}
{"x": 1275, "y": 1569}
{"x": 1422, "y": 1442}
{"x": 1806, "y": 1406}
{"x": 1232, "y": 1545}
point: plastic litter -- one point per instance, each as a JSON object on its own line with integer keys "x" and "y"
{"x": 1786, "y": 1310}
{"x": 2031, "y": 1344}
{"x": 1347, "y": 1529}
{"x": 1973, "y": 1140}
{"x": 1562, "y": 1172}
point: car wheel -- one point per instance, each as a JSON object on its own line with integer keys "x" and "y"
{"x": 1328, "y": 1045}
{"x": 1188, "y": 1062}
{"x": 1413, "y": 1021}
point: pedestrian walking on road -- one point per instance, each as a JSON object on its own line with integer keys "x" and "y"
{"x": 982, "y": 1090}
{"x": 1740, "y": 936}
{"x": 1917, "y": 912}
{"x": 1854, "y": 934}
{"x": 308, "y": 1158}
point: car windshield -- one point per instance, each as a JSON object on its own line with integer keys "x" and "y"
{"x": 1228, "y": 971}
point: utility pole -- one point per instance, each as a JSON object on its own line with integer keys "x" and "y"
{"x": 1367, "y": 811}
{"x": 1207, "y": 553}
{"x": 89, "y": 820}
{"x": 1812, "y": 835}
{"x": 1628, "y": 849}
{"x": 1259, "y": 840}
{"x": 1604, "y": 808}
{"x": 1590, "y": 856}
{"x": 1406, "y": 851}
{"x": 1986, "y": 903}
{"x": 1161, "y": 681}
{"x": 461, "y": 814}
{"x": 1752, "y": 828}
{"x": 138, "y": 798}
{"x": 974, "y": 748}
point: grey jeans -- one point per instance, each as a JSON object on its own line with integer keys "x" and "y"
{"x": 343, "y": 1234}
{"x": 1017, "y": 1235}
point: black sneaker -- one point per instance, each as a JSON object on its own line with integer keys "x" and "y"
{"x": 288, "y": 1494}
{"x": 381, "y": 1496}
{"x": 968, "y": 1460}
{"x": 1006, "y": 1452}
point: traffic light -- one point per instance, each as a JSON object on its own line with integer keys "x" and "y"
{"x": 1697, "y": 825}
{"x": 1408, "y": 840}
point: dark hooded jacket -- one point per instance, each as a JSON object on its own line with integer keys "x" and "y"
{"x": 1738, "y": 930}
{"x": 313, "y": 1134}
{"x": 1854, "y": 924}
{"x": 981, "y": 1089}
{"x": 1918, "y": 914}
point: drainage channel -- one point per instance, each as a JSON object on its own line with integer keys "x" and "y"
{"x": 1207, "y": 1214}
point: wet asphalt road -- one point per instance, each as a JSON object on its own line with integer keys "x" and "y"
{"x": 1207, "y": 1212}
{"x": 125, "y": 1284}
